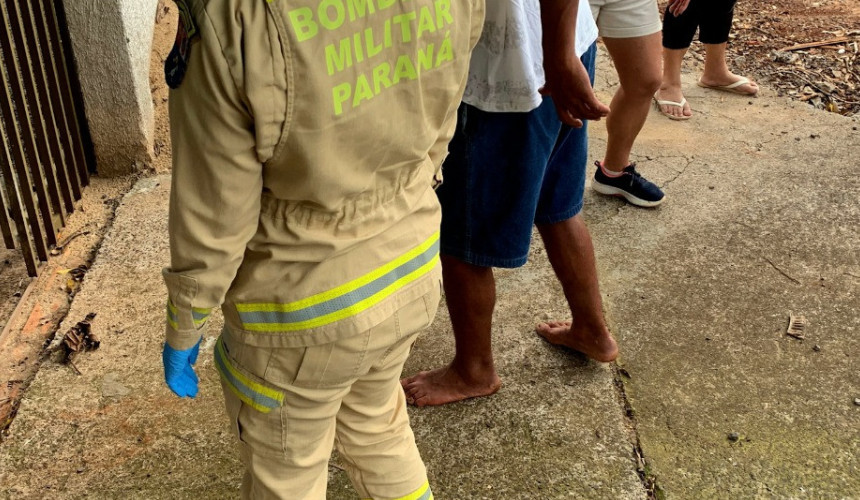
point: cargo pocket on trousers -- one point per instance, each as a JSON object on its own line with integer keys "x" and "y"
{"x": 418, "y": 314}
{"x": 333, "y": 364}
{"x": 233, "y": 406}
{"x": 254, "y": 406}
{"x": 299, "y": 366}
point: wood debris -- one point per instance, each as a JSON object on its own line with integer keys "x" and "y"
{"x": 76, "y": 276}
{"x": 811, "y": 45}
{"x": 78, "y": 339}
{"x": 809, "y": 54}
{"x": 57, "y": 250}
{"x": 796, "y": 326}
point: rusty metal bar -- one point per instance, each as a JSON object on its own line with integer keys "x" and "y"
{"x": 72, "y": 99}
{"x": 61, "y": 199}
{"x": 46, "y": 155}
{"x": 5, "y": 222}
{"x": 12, "y": 153}
{"x": 40, "y": 59}
{"x": 42, "y": 167}
{"x": 25, "y": 148}
{"x": 67, "y": 170}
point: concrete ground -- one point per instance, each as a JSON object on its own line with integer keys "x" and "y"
{"x": 762, "y": 219}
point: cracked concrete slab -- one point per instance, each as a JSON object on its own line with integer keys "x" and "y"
{"x": 555, "y": 430}
{"x": 761, "y": 220}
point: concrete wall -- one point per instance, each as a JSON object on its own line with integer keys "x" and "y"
{"x": 111, "y": 40}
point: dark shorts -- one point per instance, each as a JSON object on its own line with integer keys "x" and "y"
{"x": 506, "y": 172}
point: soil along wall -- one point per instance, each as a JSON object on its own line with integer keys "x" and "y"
{"x": 111, "y": 40}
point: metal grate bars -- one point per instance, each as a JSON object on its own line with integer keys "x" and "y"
{"x": 43, "y": 160}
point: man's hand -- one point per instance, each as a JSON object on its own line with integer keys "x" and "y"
{"x": 178, "y": 372}
{"x": 567, "y": 80}
{"x": 568, "y": 84}
{"x": 677, "y": 7}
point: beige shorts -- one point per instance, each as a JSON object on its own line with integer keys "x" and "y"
{"x": 626, "y": 18}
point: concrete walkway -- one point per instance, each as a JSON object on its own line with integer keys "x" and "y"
{"x": 762, "y": 219}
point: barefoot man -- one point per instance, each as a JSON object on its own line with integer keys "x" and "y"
{"x": 513, "y": 164}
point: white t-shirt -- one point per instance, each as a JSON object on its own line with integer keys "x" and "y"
{"x": 506, "y": 69}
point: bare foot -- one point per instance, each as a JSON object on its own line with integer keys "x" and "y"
{"x": 729, "y": 78}
{"x": 445, "y": 385}
{"x": 601, "y": 347}
{"x": 673, "y": 93}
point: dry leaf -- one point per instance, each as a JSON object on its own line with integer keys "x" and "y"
{"x": 796, "y": 326}
{"x": 80, "y": 338}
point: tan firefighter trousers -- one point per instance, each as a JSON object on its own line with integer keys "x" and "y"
{"x": 289, "y": 406}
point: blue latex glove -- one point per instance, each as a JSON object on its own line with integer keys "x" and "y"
{"x": 178, "y": 372}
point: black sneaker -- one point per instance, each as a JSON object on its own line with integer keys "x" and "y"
{"x": 632, "y": 186}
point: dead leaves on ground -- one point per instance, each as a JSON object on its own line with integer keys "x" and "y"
{"x": 78, "y": 339}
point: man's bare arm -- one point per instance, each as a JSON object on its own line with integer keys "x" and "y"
{"x": 567, "y": 80}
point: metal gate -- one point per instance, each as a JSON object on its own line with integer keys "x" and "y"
{"x": 44, "y": 158}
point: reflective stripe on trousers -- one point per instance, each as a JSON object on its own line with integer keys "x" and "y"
{"x": 253, "y": 394}
{"x": 422, "y": 493}
{"x": 199, "y": 315}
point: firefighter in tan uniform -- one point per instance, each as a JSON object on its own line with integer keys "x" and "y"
{"x": 307, "y": 138}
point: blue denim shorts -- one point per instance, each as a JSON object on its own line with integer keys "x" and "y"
{"x": 506, "y": 172}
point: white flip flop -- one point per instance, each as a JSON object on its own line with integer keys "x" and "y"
{"x": 732, "y": 87}
{"x": 670, "y": 116}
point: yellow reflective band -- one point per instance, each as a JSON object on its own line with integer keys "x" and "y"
{"x": 172, "y": 323}
{"x": 171, "y": 315}
{"x": 199, "y": 315}
{"x": 346, "y": 312}
{"x": 248, "y": 401}
{"x": 346, "y": 300}
{"x": 255, "y": 395}
{"x": 345, "y": 288}
{"x": 423, "y": 493}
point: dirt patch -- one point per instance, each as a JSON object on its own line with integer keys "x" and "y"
{"x": 13, "y": 282}
{"x": 28, "y": 328}
{"x": 826, "y": 77}
{"x": 22, "y": 347}
{"x": 166, "y": 18}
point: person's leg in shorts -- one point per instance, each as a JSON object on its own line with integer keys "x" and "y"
{"x": 568, "y": 244}
{"x": 678, "y": 33}
{"x": 493, "y": 177}
{"x": 631, "y": 32}
{"x": 714, "y": 34}
{"x": 713, "y": 19}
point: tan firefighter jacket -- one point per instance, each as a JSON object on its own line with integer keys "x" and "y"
{"x": 306, "y": 138}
